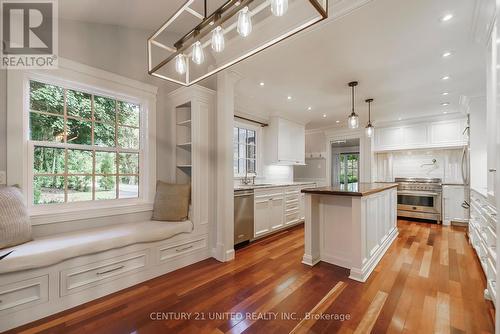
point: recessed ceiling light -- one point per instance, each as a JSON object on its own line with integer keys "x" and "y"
{"x": 289, "y": 97}
{"x": 446, "y": 17}
{"x": 324, "y": 115}
{"x": 399, "y": 118}
{"x": 446, "y": 77}
{"x": 309, "y": 108}
{"x": 445, "y": 112}
{"x": 446, "y": 54}
{"x": 445, "y": 93}
{"x": 262, "y": 84}
{"x": 337, "y": 122}
{"x": 445, "y": 104}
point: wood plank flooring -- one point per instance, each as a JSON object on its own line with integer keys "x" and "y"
{"x": 429, "y": 281}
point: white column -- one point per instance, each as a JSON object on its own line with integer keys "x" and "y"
{"x": 311, "y": 231}
{"x": 224, "y": 244}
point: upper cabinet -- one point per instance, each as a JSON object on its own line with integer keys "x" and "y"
{"x": 439, "y": 134}
{"x": 284, "y": 142}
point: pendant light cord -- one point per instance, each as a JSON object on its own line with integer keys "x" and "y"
{"x": 353, "y": 99}
{"x": 369, "y": 112}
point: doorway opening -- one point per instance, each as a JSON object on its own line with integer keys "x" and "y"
{"x": 345, "y": 162}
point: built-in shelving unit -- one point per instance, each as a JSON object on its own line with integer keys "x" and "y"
{"x": 482, "y": 235}
{"x": 183, "y": 143}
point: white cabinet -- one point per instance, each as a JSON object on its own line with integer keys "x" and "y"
{"x": 261, "y": 217}
{"x": 278, "y": 208}
{"x": 453, "y": 198}
{"x": 285, "y": 142}
{"x": 437, "y": 134}
{"x": 268, "y": 210}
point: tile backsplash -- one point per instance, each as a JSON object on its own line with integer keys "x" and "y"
{"x": 418, "y": 163}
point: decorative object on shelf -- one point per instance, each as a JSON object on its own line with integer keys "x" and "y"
{"x": 221, "y": 38}
{"x": 433, "y": 163}
{"x": 353, "y": 120}
{"x": 369, "y": 127}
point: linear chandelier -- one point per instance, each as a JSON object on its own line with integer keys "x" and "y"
{"x": 192, "y": 45}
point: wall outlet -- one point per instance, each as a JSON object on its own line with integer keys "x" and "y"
{"x": 3, "y": 179}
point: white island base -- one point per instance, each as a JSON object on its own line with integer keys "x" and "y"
{"x": 351, "y": 228}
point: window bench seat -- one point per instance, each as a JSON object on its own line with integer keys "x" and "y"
{"x": 56, "y": 248}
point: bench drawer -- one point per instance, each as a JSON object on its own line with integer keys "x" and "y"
{"x": 19, "y": 295}
{"x": 172, "y": 251}
{"x": 87, "y": 276}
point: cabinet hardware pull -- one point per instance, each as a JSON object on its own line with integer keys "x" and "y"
{"x": 183, "y": 249}
{"x": 110, "y": 270}
{"x": 492, "y": 170}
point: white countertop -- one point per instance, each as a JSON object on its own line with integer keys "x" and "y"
{"x": 263, "y": 185}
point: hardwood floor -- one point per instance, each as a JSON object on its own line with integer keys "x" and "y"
{"x": 429, "y": 281}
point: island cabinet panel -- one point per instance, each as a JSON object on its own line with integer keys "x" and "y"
{"x": 351, "y": 229}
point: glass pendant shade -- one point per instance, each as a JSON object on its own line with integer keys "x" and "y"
{"x": 369, "y": 130}
{"x": 353, "y": 121}
{"x": 198, "y": 55}
{"x": 218, "y": 42}
{"x": 180, "y": 64}
{"x": 244, "y": 25}
{"x": 279, "y": 7}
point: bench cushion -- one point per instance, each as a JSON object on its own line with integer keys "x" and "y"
{"x": 53, "y": 249}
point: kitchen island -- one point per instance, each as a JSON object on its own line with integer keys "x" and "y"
{"x": 351, "y": 226}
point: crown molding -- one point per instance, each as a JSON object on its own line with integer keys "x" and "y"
{"x": 483, "y": 21}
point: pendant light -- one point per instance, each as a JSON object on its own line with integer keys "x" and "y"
{"x": 198, "y": 55}
{"x": 279, "y": 7}
{"x": 244, "y": 26}
{"x": 369, "y": 127}
{"x": 353, "y": 120}
{"x": 180, "y": 64}
{"x": 218, "y": 43}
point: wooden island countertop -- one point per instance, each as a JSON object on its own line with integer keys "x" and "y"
{"x": 353, "y": 189}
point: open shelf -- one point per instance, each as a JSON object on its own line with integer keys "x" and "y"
{"x": 185, "y": 123}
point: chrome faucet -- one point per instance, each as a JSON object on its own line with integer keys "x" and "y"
{"x": 246, "y": 180}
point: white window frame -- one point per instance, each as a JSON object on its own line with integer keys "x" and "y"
{"x": 258, "y": 142}
{"x": 83, "y": 78}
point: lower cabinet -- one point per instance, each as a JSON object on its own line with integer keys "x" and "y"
{"x": 453, "y": 198}
{"x": 278, "y": 208}
{"x": 482, "y": 236}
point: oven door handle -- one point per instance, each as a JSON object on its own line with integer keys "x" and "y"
{"x": 411, "y": 193}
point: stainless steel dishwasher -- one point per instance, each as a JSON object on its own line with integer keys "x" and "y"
{"x": 243, "y": 216}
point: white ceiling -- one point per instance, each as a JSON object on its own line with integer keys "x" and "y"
{"x": 392, "y": 47}
{"x": 136, "y": 14}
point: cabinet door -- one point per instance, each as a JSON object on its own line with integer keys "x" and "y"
{"x": 302, "y": 206}
{"x": 291, "y": 142}
{"x": 388, "y": 138}
{"x": 277, "y": 207}
{"x": 415, "y": 135}
{"x": 261, "y": 217}
{"x": 453, "y": 197}
{"x": 447, "y": 133}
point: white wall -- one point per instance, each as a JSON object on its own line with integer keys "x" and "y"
{"x": 478, "y": 147}
{"x": 3, "y": 120}
{"x": 410, "y": 164}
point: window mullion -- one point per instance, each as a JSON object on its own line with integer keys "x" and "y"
{"x": 92, "y": 116}
{"x": 65, "y": 114}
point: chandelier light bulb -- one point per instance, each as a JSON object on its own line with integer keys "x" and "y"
{"x": 180, "y": 64}
{"x": 218, "y": 43}
{"x": 279, "y": 7}
{"x": 369, "y": 130}
{"x": 244, "y": 26}
{"x": 353, "y": 121}
{"x": 198, "y": 55}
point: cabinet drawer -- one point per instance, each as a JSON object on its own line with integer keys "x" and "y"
{"x": 87, "y": 276}
{"x": 292, "y": 218}
{"x": 172, "y": 251}
{"x": 19, "y": 295}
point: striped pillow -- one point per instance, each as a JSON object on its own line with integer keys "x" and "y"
{"x": 15, "y": 226}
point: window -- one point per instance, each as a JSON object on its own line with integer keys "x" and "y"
{"x": 86, "y": 147}
{"x": 244, "y": 151}
{"x": 349, "y": 163}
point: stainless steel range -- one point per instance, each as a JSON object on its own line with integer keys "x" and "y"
{"x": 420, "y": 198}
